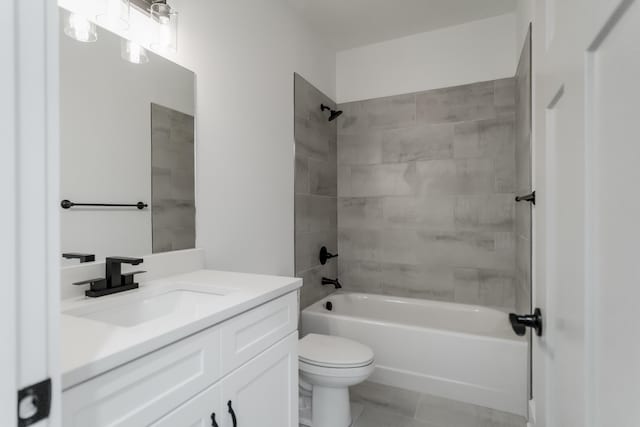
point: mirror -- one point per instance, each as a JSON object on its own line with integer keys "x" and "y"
{"x": 127, "y": 138}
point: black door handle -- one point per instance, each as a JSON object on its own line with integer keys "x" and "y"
{"x": 520, "y": 323}
{"x": 213, "y": 420}
{"x": 233, "y": 414}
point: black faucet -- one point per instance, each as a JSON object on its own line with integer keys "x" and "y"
{"x": 114, "y": 280}
{"x": 81, "y": 257}
{"x": 333, "y": 282}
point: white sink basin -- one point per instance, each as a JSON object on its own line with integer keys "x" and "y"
{"x": 175, "y": 302}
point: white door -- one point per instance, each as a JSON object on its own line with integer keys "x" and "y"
{"x": 29, "y": 228}
{"x": 587, "y": 63}
{"x": 264, "y": 392}
{"x": 613, "y": 221}
{"x": 204, "y": 410}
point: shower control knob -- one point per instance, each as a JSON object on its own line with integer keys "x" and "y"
{"x": 325, "y": 255}
{"x": 520, "y": 323}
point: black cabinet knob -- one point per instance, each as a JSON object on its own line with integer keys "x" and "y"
{"x": 213, "y": 420}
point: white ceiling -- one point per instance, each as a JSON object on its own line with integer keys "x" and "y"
{"x": 352, "y": 23}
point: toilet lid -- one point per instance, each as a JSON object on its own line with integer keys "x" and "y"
{"x": 330, "y": 351}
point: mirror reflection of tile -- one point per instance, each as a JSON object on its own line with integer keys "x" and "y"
{"x": 173, "y": 210}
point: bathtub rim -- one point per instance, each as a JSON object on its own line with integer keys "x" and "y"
{"x": 316, "y": 309}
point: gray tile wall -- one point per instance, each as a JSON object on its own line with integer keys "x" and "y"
{"x": 426, "y": 183}
{"x": 523, "y": 179}
{"x": 173, "y": 209}
{"x": 316, "y": 188}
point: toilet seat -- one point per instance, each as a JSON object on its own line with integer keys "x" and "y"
{"x": 330, "y": 352}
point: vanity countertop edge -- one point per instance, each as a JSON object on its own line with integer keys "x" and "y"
{"x": 90, "y": 348}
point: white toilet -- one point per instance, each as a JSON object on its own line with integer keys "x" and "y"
{"x": 331, "y": 365}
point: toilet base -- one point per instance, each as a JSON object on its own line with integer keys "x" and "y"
{"x": 331, "y": 407}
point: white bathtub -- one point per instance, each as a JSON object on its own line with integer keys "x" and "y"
{"x": 461, "y": 352}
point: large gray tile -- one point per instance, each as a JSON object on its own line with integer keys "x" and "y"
{"x": 315, "y": 213}
{"x": 312, "y": 141}
{"x": 398, "y": 179}
{"x": 360, "y": 244}
{"x": 434, "y": 212}
{"x": 392, "y": 399}
{"x": 476, "y": 176}
{"x": 301, "y": 175}
{"x": 456, "y": 104}
{"x": 484, "y": 138}
{"x": 472, "y": 249}
{"x": 485, "y": 287}
{"x": 441, "y": 412}
{"x": 360, "y": 149}
{"x": 418, "y": 281}
{"x": 323, "y": 178}
{"x": 344, "y": 180}
{"x": 505, "y": 95}
{"x": 360, "y": 276}
{"x": 505, "y": 172}
{"x": 491, "y": 212}
{"x": 437, "y": 177}
{"x": 425, "y": 142}
{"x": 360, "y": 212}
{"x": 391, "y": 112}
{"x": 376, "y": 417}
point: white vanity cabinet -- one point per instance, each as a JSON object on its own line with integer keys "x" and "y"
{"x": 261, "y": 393}
{"x": 250, "y": 360}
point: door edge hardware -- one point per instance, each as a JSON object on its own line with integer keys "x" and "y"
{"x": 520, "y": 323}
{"x": 34, "y": 403}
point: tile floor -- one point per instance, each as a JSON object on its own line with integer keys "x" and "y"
{"x": 386, "y": 406}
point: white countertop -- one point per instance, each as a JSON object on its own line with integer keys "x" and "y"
{"x": 90, "y": 348}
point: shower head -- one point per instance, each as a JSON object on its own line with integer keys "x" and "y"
{"x": 334, "y": 113}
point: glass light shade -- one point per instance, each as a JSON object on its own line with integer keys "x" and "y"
{"x": 133, "y": 52}
{"x": 164, "y": 22}
{"x": 114, "y": 14}
{"x": 80, "y": 28}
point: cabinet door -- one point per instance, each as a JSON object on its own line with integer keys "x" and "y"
{"x": 204, "y": 410}
{"x": 264, "y": 392}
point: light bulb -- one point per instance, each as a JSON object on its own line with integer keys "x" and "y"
{"x": 133, "y": 52}
{"x": 164, "y": 22}
{"x": 80, "y": 28}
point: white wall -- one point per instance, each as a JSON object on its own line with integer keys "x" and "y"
{"x": 472, "y": 52}
{"x": 244, "y": 54}
{"x": 524, "y": 16}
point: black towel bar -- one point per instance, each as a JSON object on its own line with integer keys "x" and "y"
{"x": 67, "y": 204}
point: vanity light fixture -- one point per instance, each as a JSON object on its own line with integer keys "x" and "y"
{"x": 80, "y": 28}
{"x": 165, "y": 26}
{"x": 113, "y": 13}
{"x": 163, "y": 22}
{"x": 133, "y": 52}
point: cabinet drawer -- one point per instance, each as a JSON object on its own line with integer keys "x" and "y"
{"x": 251, "y": 333}
{"x": 141, "y": 391}
{"x": 197, "y": 412}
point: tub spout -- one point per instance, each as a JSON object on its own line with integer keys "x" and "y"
{"x": 333, "y": 282}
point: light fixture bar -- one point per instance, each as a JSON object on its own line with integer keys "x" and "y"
{"x": 142, "y": 5}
